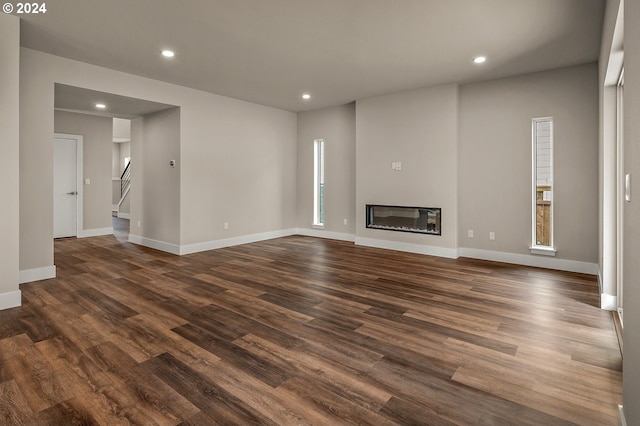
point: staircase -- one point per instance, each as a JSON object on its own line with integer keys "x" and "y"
{"x": 125, "y": 186}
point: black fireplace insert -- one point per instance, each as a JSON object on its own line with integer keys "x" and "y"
{"x": 421, "y": 220}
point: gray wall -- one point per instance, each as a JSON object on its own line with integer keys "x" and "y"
{"x": 337, "y": 127}
{"x": 137, "y": 181}
{"x": 9, "y": 175}
{"x": 631, "y": 378}
{"x": 495, "y": 161}
{"x": 36, "y": 166}
{"x": 97, "y": 146}
{"x": 238, "y": 166}
{"x": 418, "y": 128}
{"x": 159, "y": 212}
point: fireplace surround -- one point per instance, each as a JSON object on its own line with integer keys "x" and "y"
{"x": 420, "y": 220}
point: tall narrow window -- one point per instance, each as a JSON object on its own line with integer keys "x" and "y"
{"x": 318, "y": 182}
{"x": 542, "y": 155}
{"x": 621, "y": 190}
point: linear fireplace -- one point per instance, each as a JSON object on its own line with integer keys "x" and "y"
{"x": 421, "y": 220}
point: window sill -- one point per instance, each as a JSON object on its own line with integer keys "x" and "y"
{"x": 543, "y": 250}
{"x": 317, "y": 226}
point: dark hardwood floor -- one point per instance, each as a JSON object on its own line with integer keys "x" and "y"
{"x": 301, "y": 330}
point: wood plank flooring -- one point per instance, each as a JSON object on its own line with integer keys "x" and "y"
{"x": 301, "y": 330}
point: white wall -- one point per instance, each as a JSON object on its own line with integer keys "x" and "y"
{"x": 125, "y": 151}
{"x": 238, "y": 160}
{"x": 495, "y": 161}
{"x": 125, "y": 207}
{"x": 121, "y": 130}
{"x": 336, "y": 126}
{"x": 115, "y": 160}
{"x": 97, "y": 146}
{"x": 9, "y": 175}
{"x": 418, "y": 128}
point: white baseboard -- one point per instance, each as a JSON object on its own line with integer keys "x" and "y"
{"x": 11, "y": 299}
{"x": 621, "y": 420}
{"x": 234, "y": 241}
{"x": 37, "y": 274}
{"x": 530, "y": 260}
{"x": 155, "y": 244}
{"x": 95, "y": 232}
{"x": 450, "y": 253}
{"x": 124, "y": 215}
{"x": 319, "y": 233}
{"x": 608, "y": 302}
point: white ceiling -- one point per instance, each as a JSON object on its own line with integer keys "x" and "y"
{"x": 271, "y": 51}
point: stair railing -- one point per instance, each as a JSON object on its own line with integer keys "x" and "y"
{"x": 125, "y": 180}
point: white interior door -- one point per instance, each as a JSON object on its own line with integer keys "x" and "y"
{"x": 65, "y": 187}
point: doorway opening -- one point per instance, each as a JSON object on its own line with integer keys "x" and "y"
{"x": 121, "y": 177}
{"x": 104, "y": 203}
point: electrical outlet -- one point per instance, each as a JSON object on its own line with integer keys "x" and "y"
{"x": 492, "y": 236}
{"x": 470, "y": 233}
{"x": 346, "y": 222}
{"x": 138, "y": 224}
{"x": 226, "y": 226}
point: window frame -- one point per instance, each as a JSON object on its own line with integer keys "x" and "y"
{"x": 535, "y": 248}
{"x": 318, "y": 183}
{"x": 621, "y": 192}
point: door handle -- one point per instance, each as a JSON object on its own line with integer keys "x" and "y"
{"x": 72, "y": 193}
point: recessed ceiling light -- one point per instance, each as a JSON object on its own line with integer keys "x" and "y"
{"x": 479, "y": 59}
{"x": 101, "y": 106}
{"x": 168, "y": 53}
{"x": 306, "y": 96}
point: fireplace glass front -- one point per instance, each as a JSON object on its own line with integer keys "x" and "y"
{"x": 422, "y": 220}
